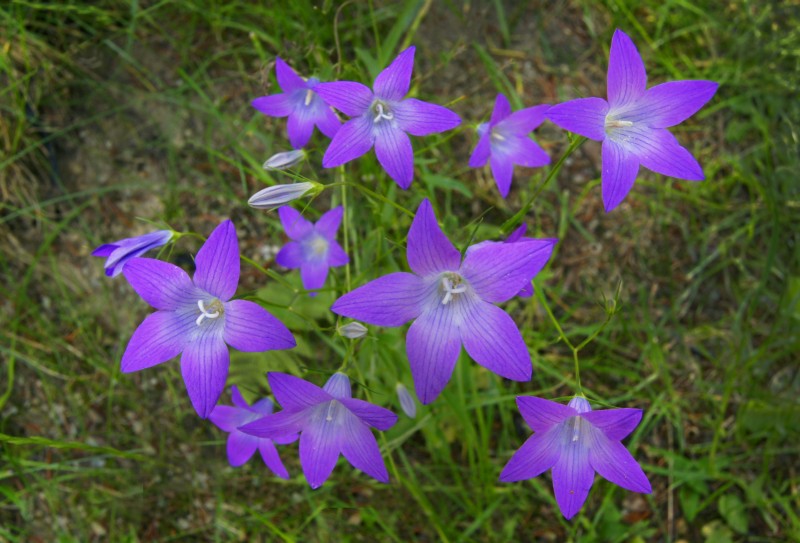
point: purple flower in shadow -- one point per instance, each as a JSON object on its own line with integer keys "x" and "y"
{"x": 301, "y": 104}
{"x": 452, "y": 303}
{"x": 576, "y": 442}
{"x": 633, "y": 123}
{"x": 383, "y": 119}
{"x": 118, "y": 253}
{"x": 241, "y": 446}
{"x": 198, "y": 318}
{"x": 330, "y": 421}
{"x": 313, "y": 248}
{"x": 504, "y": 141}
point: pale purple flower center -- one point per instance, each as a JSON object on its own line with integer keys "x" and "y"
{"x": 451, "y": 287}
{"x": 316, "y": 247}
{"x": 210, "y": 311}
{"x": 381, "y": 111}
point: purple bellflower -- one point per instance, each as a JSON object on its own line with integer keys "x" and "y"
{"x": 633, "y": 123}
{"x": 452, "y": 303}
{"x": 313, "y": 248}
{"x": 383, "y": 119}
{"x": 576, "y": 442}
{"x": 330, "y": 421}
{"x": 241, "y": 446}
{"x": 120, "y": 252}
{"x": 301, "y": 104}
{"x": 504, "y": 141}
{"x": 197, "y": 318}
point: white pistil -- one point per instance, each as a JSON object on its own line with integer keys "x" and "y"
{"x": 309, "y": 97}
{"x": 449, "y": 290}
{"x": 576, "y": 428}
{"x": 329, "y": 415}
{"x": 496, "y": 136}
{"x": 388, "y": 115}
{"x": 204, "y": 314}
{"x": 618, "y": 124}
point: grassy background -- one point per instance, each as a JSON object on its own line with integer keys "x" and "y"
{"x": 112, "y": 112}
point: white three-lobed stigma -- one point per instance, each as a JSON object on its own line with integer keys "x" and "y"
{"x": 205, "y": 314}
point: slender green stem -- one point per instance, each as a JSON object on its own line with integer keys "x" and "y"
{"x": 346, "y": 216}
{"x": 511, "y": 223}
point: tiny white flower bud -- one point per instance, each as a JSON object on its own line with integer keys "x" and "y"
{"x": 284, "y": 160}
{"x": 278, "y": 195}
{"x": 407, "y": 403}
{"x": 353, "y": 330}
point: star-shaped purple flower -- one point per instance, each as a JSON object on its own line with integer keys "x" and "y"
{"x": 197, "y": 318}
{"x": 504, "y": 141}
{"x": 120, "y": 252}
{"x": 576, "y": 442}
{"x": 383, "y": 118}
{"x": 633, "y": 123}
{"x": 330, "y": 421}
{"x": 301, "y": 104}
{"x": 313, "y": 248}
{"x": 452, "y": 303}
{"x": 241, "y": 446}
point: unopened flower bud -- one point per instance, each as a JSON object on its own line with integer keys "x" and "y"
{"x": 284, "y": 160}
{"x": 353, "y": 330}
{"x": 407, "y": 403}
{"x": 278, "y": 195}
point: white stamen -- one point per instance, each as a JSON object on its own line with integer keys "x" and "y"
{"x": 381, "y": 115}
{"x": 576, "y": 428}
{"x": 447, "y": 286}
{"x": 309, "y": 97}
{"x": 618, "y": 124}
{"x": 329, "y": 415}
{"x": 204, "y": 314}
{"x": 497, "y": 136}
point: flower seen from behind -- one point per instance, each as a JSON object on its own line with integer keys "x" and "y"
{"x": 576, "y": 442}
{"x": 118, "y": 253}
{"x": 452, "y": 303}
{"x": 313, "y": 247}
{"x": 241, "y": 446}
{"x": 505, "y": 141}
{"x": 197, "y": 318}
{"x": 301, "y": 104}
{"x": 633, "y": 123}
{"x": 330, "y": 421}
{"x": 383, "y": 118}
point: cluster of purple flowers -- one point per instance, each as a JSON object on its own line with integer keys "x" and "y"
{"x": 449, "y": 298}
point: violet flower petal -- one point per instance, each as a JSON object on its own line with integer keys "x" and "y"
{"x": 395, "y": 154}
{"x": 659, "y": 151}
{"x": 291, "y": 255}
{"x": 269, "y": 454}
{"x": 353, "y": 139}
{"x": 162, "y": 285}
{"x": 204, "y": 366}
{"x": 300, "y": 126}
{"x": 613, "y": 461}
{"x": 338, "y": 386}
{"x": 294, "y": 393}
{"x": 393, "y": 82}
{"x": 616, "y": 424}
{"x": 524, "y": 121}
{"x": 539, "y": 453}
{"x": 671, "y": 103}
{"x": 295, "y": 226}
{"x": 327, "y": 121}
{"x": 336, "y": 255}
{"x": 349, "y": 97}
{"x": 420, "y": 118}
{"x": 287, "y": 77}
{"x": 497, "y": 271}
{"x": 361, "y": 449}
{"x": 371, "y": 414}
{"x": 217, "y": 262}
{"x": 573, "y": 477}
{"x": 320, "y": 444}
{"x": 493, "y": 340}
{"x": 328, "y": 224}
{"x": 161, "y": 335}
{"x": 482, "y": 151}
{"x": 251, "y": 328}
{"x": 428, "y": 250}
{"x": 432, "y": 346}
{"x": 313, "y": 275}
{"x": 541, "y": 414}
{"x": 275, "y": 105}
{"x": 503, "y": 173}
{"x": 391, "y": 300}
{"x": 240, "y": 448}
{"x": 502, "y": 109}
{"x": 277, "y": 425}
{"x": 626, "y": 79}
{"x": 618, "y": 175}
{"x": 584, "y": 116}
